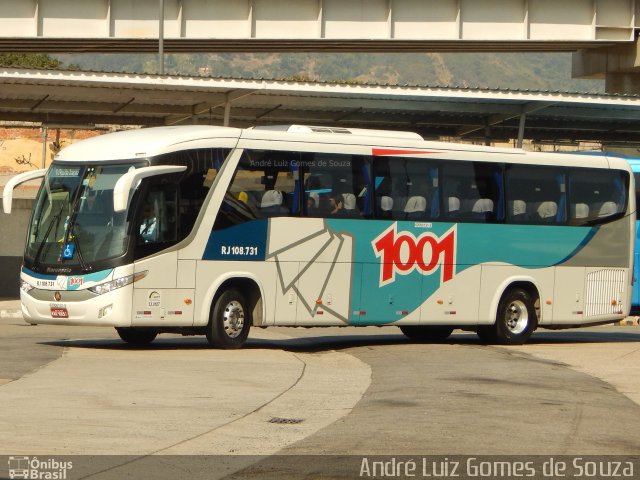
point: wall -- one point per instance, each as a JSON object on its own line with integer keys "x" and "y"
{"x": 13, "y": 232}
{"x": 25, "y": 145}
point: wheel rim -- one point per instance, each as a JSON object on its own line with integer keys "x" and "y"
{"x": 233, "y": 319}
{"x": 517, "y": 317}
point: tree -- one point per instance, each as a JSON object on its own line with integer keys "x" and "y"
{"x": 28, "y": 60}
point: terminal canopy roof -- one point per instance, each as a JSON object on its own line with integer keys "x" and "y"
{"x": 81, "y": 99}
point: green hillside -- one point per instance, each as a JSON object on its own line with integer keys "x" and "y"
{"x": 535, "y": 71}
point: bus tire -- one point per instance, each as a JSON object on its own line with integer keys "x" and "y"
{"x": 137, "y": 336}
{"x": 427, "y": 333}
{"x": 516, "y": 318}
{"x": 230, "y": 321}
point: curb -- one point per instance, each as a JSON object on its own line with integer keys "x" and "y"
{"x": 10, "y": 314}
{"x": 629, "y": 321}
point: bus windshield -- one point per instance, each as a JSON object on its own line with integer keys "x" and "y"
{"x": 73, "y": 224}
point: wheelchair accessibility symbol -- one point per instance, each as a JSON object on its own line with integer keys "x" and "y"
{"x": 68, "y": 251}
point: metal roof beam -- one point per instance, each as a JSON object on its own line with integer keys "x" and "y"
{"x": 78, "y": 119}
{"x": 209, "y": 45}
{"x": 492, "y": 120}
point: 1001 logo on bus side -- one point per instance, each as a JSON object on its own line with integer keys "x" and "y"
{"x": 402, "y": 253}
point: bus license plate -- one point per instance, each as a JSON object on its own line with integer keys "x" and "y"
{"x": 59, "y": 312}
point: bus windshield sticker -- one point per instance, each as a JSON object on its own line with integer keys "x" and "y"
{"x": 66, "y": 172}
{"x": 67, "y": 253}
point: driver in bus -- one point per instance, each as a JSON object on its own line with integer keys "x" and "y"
{"x": 148, "y": 226}
{"x": 336, "y": 204}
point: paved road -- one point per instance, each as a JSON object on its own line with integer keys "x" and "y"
{"x": 315, "y": 392}
{"x": 466, "y": 398}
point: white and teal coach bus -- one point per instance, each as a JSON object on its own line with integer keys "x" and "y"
{"x": 211, "y": 230}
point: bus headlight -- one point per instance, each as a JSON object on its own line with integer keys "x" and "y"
{"x": 117, "y": 283}
{"x": 26, "y": 287}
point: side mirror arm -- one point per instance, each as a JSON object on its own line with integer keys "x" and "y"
{"x": 126, "y": 182}
{"x": 7, "y": 193}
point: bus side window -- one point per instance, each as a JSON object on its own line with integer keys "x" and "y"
{"x": 473, "y": 191}
{"x": 594, "y": 197}
{"x": 158, "y": 220}
{"x": 406, "y": 188}
{"x": 265, "y": 184}
{"x": 337, "y": 185}
{"x": 535, "y": 194}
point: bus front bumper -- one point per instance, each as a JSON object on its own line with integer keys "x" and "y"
{"x": 112, "y": 309}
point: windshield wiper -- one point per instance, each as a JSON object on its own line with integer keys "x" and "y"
{"x": 71, "y": 235}
{"x": 56, "y": 221}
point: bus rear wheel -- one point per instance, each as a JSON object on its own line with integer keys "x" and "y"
{"x": 137, "y": 336}
{"x": 516, "y": 319}
{"x": 427, "y": 333}
{"x": 230, "y": 321}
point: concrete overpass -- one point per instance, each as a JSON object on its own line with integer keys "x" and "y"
{"x": 603, "y": 32}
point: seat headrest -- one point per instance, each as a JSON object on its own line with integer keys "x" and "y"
{"x": 386, "y": 204}
{"x": 608, "y": 208}
{"x": 483, "y": 205}
{"x": 519, "y": 207}
{"x": 415, "y": 204}
{"x": 581, "y": 210}
{"x": 454, "y": 204}
{"x": 349, "y": 201}
{"x": 271, "y": 198}
{"x": 547, "y": 209}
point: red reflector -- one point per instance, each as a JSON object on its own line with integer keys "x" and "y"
{"x": 320, "y": 312}
{"x": 147, "y": 312}
{"x": 362, "y": 312}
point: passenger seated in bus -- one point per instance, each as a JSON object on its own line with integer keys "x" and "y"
{"x": 313, "y": 200}
{"x": 271, "y": 204}
{"x": 336, "y": 204}
{"x": 547, "y": 211}
{"x": 243, "y": 197}
{"x": 415, "y": 208}
{"x": 343, "y": 205}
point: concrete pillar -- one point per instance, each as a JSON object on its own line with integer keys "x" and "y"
{"x": 619, "y": 66}
{"x": 521, "y": 124}
{"x": 628, "y": 83}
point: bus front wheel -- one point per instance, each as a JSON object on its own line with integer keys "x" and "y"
{"x": 427, "y": 333}
{"x": 516, "y": 319}
{"x": 137, "y": 336}
{"x": 230, "y": 321}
